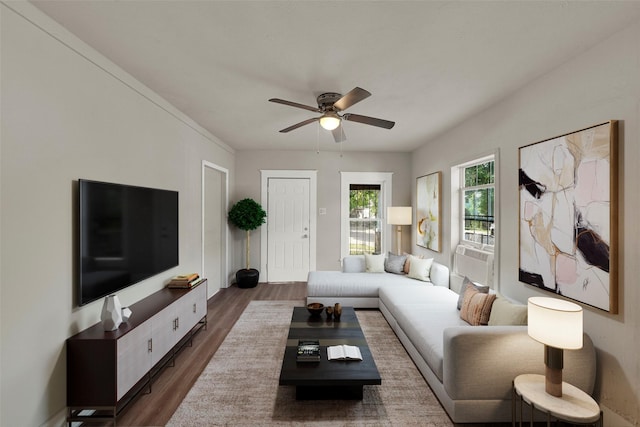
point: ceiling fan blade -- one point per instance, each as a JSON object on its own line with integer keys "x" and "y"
{"x": 298, "y": 125}
{"x": 338, "y": 134}
{"x": 368, "y": 120}
{"x": 356, "y": 95}
{"x": 295, "y": 104}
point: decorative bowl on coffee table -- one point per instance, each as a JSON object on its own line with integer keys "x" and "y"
{"x": 315, "y": 308}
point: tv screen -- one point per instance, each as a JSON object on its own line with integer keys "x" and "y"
{"x": 127, "y": 234}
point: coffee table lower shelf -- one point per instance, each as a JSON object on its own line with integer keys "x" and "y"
{"x": 354, "y": 392}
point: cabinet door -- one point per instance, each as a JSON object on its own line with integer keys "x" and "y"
{"x": 134, "y": 358}
{"x": 191, "y": 308}
{"x": 163, "y": 333}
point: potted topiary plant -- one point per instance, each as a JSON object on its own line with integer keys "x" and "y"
{"x": 247, "y": 215}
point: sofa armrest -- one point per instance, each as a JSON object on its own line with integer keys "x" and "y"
{"x": 481, "y": 362}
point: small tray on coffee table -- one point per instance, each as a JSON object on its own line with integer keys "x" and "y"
{"x": 328, "y": 379}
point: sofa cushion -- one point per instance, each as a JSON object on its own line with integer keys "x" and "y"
{"x": 476, "y": 307}
{"x": 506, "y": 313}
{"x": 467, "y": 283}
{"x": 337, "y": 284}
{"x": 407, "y": 263}
{"x": 420, "y": 268}
{"x": 353, "y": 264}
{"x": 374, "y": 263}
{"x": 395, "y": 263}
{"x": 423, "y": 313}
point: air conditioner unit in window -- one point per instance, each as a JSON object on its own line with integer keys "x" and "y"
{"x": 475, "y": 264}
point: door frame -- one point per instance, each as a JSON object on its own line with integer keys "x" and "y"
{"x": 311, "y": 175}
{"x": 224, "y": 224}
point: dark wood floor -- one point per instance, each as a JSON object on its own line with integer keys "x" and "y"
{"x": 173, "y": 383}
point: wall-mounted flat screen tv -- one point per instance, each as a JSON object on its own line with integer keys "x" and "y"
{"x": 126, "y": 234}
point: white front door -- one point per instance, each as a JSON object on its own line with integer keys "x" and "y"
{"x": 288, "y": 229}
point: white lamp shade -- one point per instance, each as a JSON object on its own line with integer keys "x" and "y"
{"x": 555, "y": 322}
{"x": 329, "y": 122}
{"x": 399, "y": 215}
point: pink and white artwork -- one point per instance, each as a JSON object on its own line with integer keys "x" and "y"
{"x": 568, "y": 223}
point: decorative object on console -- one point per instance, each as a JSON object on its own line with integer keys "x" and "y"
{"x": 126, "y": 314}
{"x": 568, "y": 215}
{"x": 247, "y": 215}
{"x": 399, "y": 216}
{"x": 111, "y": 316}
{"x": 557, "y": 324}
{"x": 428, "y": 210}
{"x": 185, "y": 281}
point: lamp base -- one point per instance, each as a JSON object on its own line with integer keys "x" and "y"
{"x": 553, "y": 364}
{"x": 553, "y": 381}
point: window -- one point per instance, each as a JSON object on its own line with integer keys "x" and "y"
{"x": 477, "y": 193}
{"x": 364, "y": 200}
{"x": 364, "y": 219}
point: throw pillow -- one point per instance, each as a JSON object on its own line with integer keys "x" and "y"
{"x": 353, "y": 264}
{"x": 476, "y": 307}
{"x": 374, "y": 263}
{"x": 394, "y": 263}
{"x": 506, "y": 313}
{"x": 407, "y": 263}
{"x": 466, "y": 283}
{"x": 420, "y": 268}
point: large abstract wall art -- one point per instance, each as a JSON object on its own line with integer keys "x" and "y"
{"x": 569, "y": 215}
{"x": 428, "y": 211}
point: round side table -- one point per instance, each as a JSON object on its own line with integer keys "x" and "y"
{"x": 574, "y": 406}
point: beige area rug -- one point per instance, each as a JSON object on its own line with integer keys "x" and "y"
{"x": 239, "y": 387}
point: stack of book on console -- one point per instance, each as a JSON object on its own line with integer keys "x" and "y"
{"x": 308, "y": 351}
{"x": 185, "y": 281}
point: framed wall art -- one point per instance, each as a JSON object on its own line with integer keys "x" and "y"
{"x": 568, "y": 190}
{"x": 428, "y": 211}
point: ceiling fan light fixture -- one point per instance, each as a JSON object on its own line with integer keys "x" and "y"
{"x": 330, "y": 121}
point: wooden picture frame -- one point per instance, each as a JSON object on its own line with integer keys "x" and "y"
{"x": 429, "y": 211}
{"x": 568, "y": 200}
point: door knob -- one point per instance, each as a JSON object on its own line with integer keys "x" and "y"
{"x": 304, "y": 236}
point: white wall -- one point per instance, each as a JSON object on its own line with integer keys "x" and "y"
{"x": 329, "y": 165}
{"x": 601, "y": 84}
{"x": 68, "y": 113}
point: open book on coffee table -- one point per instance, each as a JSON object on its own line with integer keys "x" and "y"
{"x": 343, "y": 352}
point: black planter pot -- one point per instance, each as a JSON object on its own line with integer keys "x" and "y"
{"x": 247, "y": 278}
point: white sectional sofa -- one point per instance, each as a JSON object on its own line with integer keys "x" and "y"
{"x": 469, "y": 368}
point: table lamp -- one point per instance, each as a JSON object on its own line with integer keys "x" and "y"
{"x": 399, "y": 215}
{"x": 557, "y": 324}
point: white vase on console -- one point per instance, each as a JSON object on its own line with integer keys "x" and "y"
{"x": 111, "y": 313}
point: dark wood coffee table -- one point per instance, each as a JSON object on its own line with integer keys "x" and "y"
{"x": 328, "y": 379}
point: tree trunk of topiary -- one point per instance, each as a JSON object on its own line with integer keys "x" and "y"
{"x": 248, "y": 249}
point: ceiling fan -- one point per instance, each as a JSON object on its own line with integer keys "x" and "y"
{"x": 331, "y": 105}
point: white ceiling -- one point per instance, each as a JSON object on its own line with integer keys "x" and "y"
{"x": 428, "y": 64}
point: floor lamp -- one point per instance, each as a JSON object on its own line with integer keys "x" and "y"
{"x": 399, "y": 215}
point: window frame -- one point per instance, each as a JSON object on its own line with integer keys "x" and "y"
{"x": 385, "y": 180}
{"x": 461, "y": 194}
{"x": 457, "y": 202}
